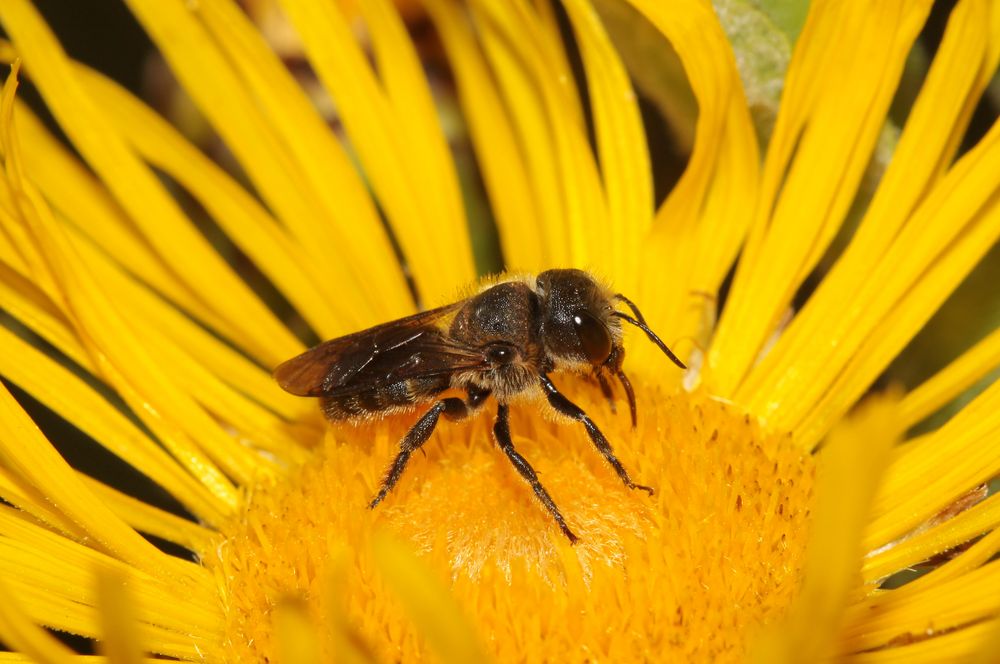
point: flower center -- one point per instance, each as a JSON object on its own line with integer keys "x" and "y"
{"x": 691, "y": 572}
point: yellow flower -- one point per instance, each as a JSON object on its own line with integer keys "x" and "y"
{"x": 128, "y": 324}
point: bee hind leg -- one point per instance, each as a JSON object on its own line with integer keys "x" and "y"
{"x": 453, "y": 408}
{"x": 566, "y": 407}
{"x": 501, "y": 431}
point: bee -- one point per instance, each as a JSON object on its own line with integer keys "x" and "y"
{"x": 503, "y": 342}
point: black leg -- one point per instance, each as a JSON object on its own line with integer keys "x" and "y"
{"x": 614, "y": 364}
{"x": 627, "y": 384}
{"x": 570, "y": 409}
{"x": 452, "y": 408}
{"x": 606, "y": 390}
{"x": 501, "y": 430}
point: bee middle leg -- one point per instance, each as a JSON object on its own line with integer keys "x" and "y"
{"x": 453, "y": 408}
{"x": 501, "y": 431}
{"x": 566, "y": 407}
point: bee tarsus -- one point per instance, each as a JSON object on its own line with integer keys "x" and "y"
{"x": 453, "y": 408}
{"x": 501, "y": 431}
{"x": 564, "y": 406}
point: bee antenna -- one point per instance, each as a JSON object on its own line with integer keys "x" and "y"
{"x": 641, "y": 324}
{"x": 631, "y": 305}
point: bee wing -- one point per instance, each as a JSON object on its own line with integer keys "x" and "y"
{"x": 413, "y": 347}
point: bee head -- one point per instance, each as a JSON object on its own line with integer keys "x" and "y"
{"x": 578, "y": 326}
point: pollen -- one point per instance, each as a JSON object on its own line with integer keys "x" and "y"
{"x": 693, "y": 572}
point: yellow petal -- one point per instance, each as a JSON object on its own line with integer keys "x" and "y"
{"x": 20, "y": 632}
{"x": 621, "y": 142}
{"x": 128, "y": 355}
{"x": 296, "y": 635}
{"x": 248, "y": 224}
{"x": 901, "y": 248}
{"x": 929, "y": 476}
{"x": 342, "y": 233}
{"x": 984, "y": 75}
{"x": 975, "y": 556}
{"x": 428, "y": 603}
{"x": 234, "y": 378}
{"x": 531, "y": 135}
{"x": 20, "y": 253}
{"x": 975, "y": 644}
{"x": 224, "y": 382}
{"x": 551, "y": 39}
{"x": 19, "y": 493}
{"x": 511, "y": 192}
{"x": 953, "y": 380}
{"x": 80, "y": 198}
{"x": 345, "y": 638}
{"x": 116, "y": 610}
{"x": 970, "y": 234}
{"x": 954, "y": 531}
{"x": 265, "y": 138}
{"x": 21, "y": 298}
{"x": 137, "y": 189}
{"x": 25, "y": 451}
{"x": 850, "y": 466}
{"x": 702, "y": 223}
{"x": 574, "y": 215}
{"x": 116, "y": 348}
{"x": 977, "y": 638}
{"x": 438, "y": 260}
{"x": 83, "y": 407}
{"x": 186, "y": 342}
{"x": 151, "y": 520}
{"x": 938, "y": 609}
{"x": 985, "y": 646}
{"x": 831, "y": 113}
{"x": 416, "y": 123}
{"x": 54, "y": 576}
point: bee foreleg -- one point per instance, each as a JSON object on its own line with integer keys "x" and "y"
{"x": 501, "y": 431}
{"x": 566, "y": 407}
{"x": 606, "y": 390}
{"x": 630, "y": 393}
{"x": 452, "y": 408}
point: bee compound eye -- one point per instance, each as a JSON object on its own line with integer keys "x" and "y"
{"x": 594, "y": 336}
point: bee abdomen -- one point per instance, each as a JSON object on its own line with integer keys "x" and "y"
{"x": 382, "y": 399}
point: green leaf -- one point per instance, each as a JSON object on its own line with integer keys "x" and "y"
{"x": 762, "y": 51}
